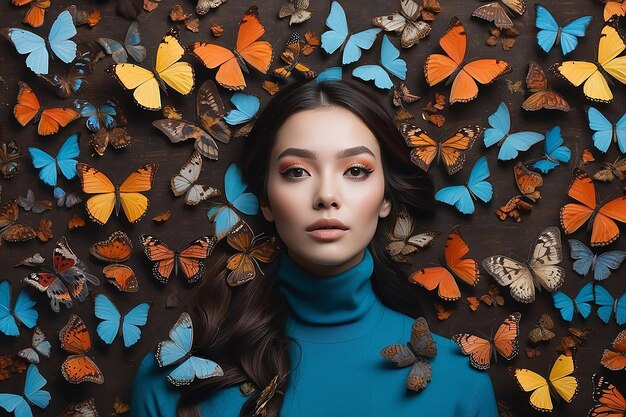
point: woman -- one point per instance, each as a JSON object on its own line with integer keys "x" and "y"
{"x": 332, "y": 172}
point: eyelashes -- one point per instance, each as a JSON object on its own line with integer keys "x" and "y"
{"x": 358, "y": 171}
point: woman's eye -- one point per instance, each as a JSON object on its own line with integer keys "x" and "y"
{"x": 359, "y": 171}
{"x": 294, "y": 172}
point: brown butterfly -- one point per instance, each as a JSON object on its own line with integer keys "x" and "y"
{"x": 611, "y": 171}
{"x": 9, "y": 155}
{"x": 403, "y": 241}
{"x": 298, "y": 11}
{"x": 498, "y": 12}
{"x": 291, "y": 56}
{"x": 250, "y": 252}
{"x": 543, "y": 330}
{"x": 568, "y": 344}
{"x": 542, "y": 97}
{"x": 10, "y": 230}
{"x": 117, "y": 137}
{"x": 402, "y": 94}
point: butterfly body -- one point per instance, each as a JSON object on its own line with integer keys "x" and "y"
{"x": 550, "y": 33}
{"x": 113, "y": 321}
{"x": 580, "y": 304}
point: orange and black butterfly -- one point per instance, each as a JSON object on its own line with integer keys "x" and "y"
{"x": 615, "y": 360}
{"x": 611, "y": 402}
{"x": 78, "y": 367}
{"x": 601, "y": 219}
{"x": 451, "y": 150}
{"x": 115, "y": 249}
{"x": 482, "y": 351}
{"x": 49, "y": 120}
{"x": 528, "y": 183}
{"x": 291, "y": 56}
{"x": 188, "y": 260}
{"x": 36, "y": 11}
{"x": 251, "y": 251}
{"x": 542, "y": 96}
{"x": 10, "y": 229}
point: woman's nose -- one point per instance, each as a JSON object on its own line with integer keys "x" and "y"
{"x": 327, "y": 195}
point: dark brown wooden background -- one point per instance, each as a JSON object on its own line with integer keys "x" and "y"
{"x": 485, "y": 233}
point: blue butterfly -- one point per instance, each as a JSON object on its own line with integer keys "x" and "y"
{"x": 23, "y": 312}
{"x": 65, "y": 160}
{"x": 462, "y": 196}
{"x": 131, "y": 43}
{"x": 329, "y": 74}
{"x": 581, "y": 303}
{"x": 605, "y": 131}
{"x": 550, "y": 32}
{"x": 608, "y": 305}
{"x": 390, "y": 60}
{"x": 339, "y": 35}
{"x": 131, "y": 321}
{"x": 601, "y": 264}
{"x": 178, "y": 350}
{"x": 107, "y": 115}
{"x": 224, "y": 216}
{"x": 555, "y": 153}
{"x": 40, "y": 346}
{"x": 26, "y": 42}
{"x": 33, "y": 394}
{"x": 510, "y": 143}
{"x": 246, "y": 107}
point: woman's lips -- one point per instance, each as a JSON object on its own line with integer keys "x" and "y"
{"x": 327, "y": 235}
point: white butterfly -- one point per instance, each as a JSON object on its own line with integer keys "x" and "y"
{"x": 185, "y": 182}
{"x": 403, "y": 242}
{"x": 41, "y": 346}
{"x": 541, "y": 270}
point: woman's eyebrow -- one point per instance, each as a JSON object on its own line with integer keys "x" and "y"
{"x": 308, "y": 154}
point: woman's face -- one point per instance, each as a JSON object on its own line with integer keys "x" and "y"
{"x": 325, "y": 188}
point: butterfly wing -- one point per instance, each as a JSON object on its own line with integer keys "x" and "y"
{"x": 548, "y": 28}
{"x": 24, "y": 309}
{"x": 546, "y": 256}
{"x": 179, "y": 130}
{"x": 438, "y": 67}
{"x": 509, "y": 272}
{"x": 456, "y": 248}
{"x": 114, "y": 48}
{"x": 229, "y": 74}
{"x": 561, "y": 380}
{"x": 565, "y": 305}
{"x": 8, "y": 325}
{"x": 425, "y": 147}
{"x": 607, "y": 261}
{"x": 583, "y": 255}
{"x": 131, "y": 323}
{"x": 611, "y": 402}
{"x": 476, "y": 183}
{"x": 159, "y": 253}
{"x": 485, "y": 71}
{"x": 66, "y": 156}
{"x": 605, "y": 301}
{"x": 33, "y": 388}
{"x": 532, "y": 381}
{"x": 234, "y": 187}
{"x": 194, "y": 367}
{"x": 357, "y": 42}
{"x": 145, "y": 85}
{"x": 555, "y": 152}
{"x": 26, "y": 42}
{"x": 61, "y": 32}
{"x": 572, "y": 31}
{"x": 131, "y": 42}
{"x": 505, "y": 339}
{"x": 398, "y": 353}
{"x": 605, "y": 230}
{"x": 494, "y": 12}
{"x": 190, "y": 258}
{"x": 176, "y": 74}
{"x": 477, "y": 348}
{"x": 116, "y": 248}
{"x": 574, "y": 215}
{"x": 338, "y": 24}
{"x": 75, "y": 338}
{"x": 518, "y": 142}
{"x": 108, "y": 312}
{"x": 500, "y": 122}
{"x": 135, "y": 204}
{"x": 246, "y": 107}
{"x": 179, "y": 345}
{"x": 93, "y": 181}
{"x": 458, "y": 196}
{"x": 45, "y": 163}
{"x": 453, "y": 148}
{"x": 422, "y": 340}
{"x": 256, "y": 53}
{"x": 603, "y": 129}
{"x": 210, "y": 111}
{"x": 374, "y": 73}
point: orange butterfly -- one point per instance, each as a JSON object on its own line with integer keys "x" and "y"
{"x": 29, "y": 109}
{"x": 79, "y": 367}
{"x": 601, "y": 218}
{"x": 116, "y": 248}
{"x": 616, "y": 361}
{"x": 614, "y": 8}
{"x": 242, "y": 264}
{"x": 232, "y": 63}
{"x": 611, "y": 401}
{"x": 189, "y": 260}
{"x": 291, "y": 56}
{"x": 542, "y": 97}
{"x": 451, "y": 150}
{"x": 442, "y": 277}
{"x": 481, "y": 350}
{"x": 438, "y": 67}
{"x": 36, "y": 13}
{"x": 528, "y": 183}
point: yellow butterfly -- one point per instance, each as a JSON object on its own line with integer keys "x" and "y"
{"x": 596, "y": 87}
{"x": 168, "y": 70}
{"x": 109, "y": 196}
{"x": 560, "y": 381}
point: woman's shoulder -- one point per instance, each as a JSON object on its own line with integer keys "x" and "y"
{"x": 153, "y": 395}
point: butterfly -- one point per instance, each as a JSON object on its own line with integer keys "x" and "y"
{"x": 542, "y": 332}
{"x": 224, "y": 216}
{"x": 84, "y": 17}
{"x": 551, "y": 33}
{"x": 69, "y": 280}
{"x": 443, "y": 313}
{"x": 22, "y": 312}
{"x": 246, "y": 108}
{"x": 131, "y": 46}
{"x": 614, "y": 8}
{"x": 9, "y": 155}
{"x": 108, "y": 115}
{"x": 117, "y": 137}
{"x": 130, "y": 323}
{"x": 115, "y": 249}
{"x": 78, "y": 367}
{"x": 555, "y": 153}
{"x": 291, "y": 56}
{"x": 542, "y": 97}
{"x": 40, "y": 346}
{"x": 177, "y": 350}
{"x": 185, "y": 182}
{"x": 85, "y": 408}
{"x": 339, "y": 36}
{"x": 29, "y": 203}
{"x": 462, "y": 196}
{"x": 73, "y": 81}
{"x": 405, "y": 23}
{"x": 527, "y": 183}
{"x": 438, "y": 67}
{"x": 442, "y": 277}
{"x": 559, "y": 381}
{"x": 611, "y": 402}
{"x": 10, "y": 229}
{"x": 59, "y": 41}
{"x": 586, "y": 260}
{"x": 581, "y": 303}
{"x": 391, "y": 64}
{"x": 36, "y": 11}
{"x": 500, "y": 132}
{"x": 403, "y": 241}
{"x": 250, "y": 251}
{"x": 616, "y": 360}
{"x": 33, "y": 394}
{"x": 203, "y": 6}
{"x": 298, "y": 11}
{"x": 498, "y": 14}
{"x": 611, "y": 171}
{"x": 330, "y": 74}
{"x": 65, "y": 161}
{"x": 209, "y": 111}
{"x": 49, "y": 120}
{"x": 109, "y": 196}
{"x": 592, "y": 74}
{"x": 65, "y": 199}
{"x": 402, "y": 94}
{"x": 249, "y": 49}
{"x": 608, "y": 305}
{"x": 606, "y": 132}
{"x": 451, "y": 150}
{"x": 189, "y": 259}
{"x": 541, "y": 270}
{"x": 601, "y": 218}
{"x": 481, "y": 351}
{"x": 168, "y": 70}
{"x": 421, "y": 345}
{"x": 266, "y": 395}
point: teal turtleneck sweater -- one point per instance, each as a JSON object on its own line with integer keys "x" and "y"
{"x": 340, "y": 327}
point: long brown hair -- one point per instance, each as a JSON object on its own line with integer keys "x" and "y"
{"x": 243, "y": 328}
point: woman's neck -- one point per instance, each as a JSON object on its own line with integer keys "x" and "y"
{"x": 325, "y": 270}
